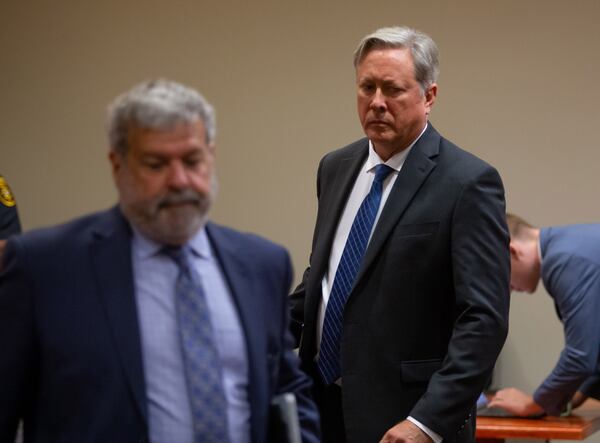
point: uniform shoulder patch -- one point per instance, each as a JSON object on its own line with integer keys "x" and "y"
{"x": 6, "y": 197}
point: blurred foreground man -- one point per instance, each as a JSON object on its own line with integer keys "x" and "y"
{"x": 567, "y": 260}
{"x": 404, "y": 307}
{"x": 146, "y": 322}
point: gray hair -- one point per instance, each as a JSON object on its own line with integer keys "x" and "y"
{"x": 157, "y": 104}
{"x": 423, "y": 49}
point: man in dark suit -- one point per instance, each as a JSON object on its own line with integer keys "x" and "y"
{"x": 146, "y": 322}
{"x": 567, "y": 260}
{"x": 403, "y": 309}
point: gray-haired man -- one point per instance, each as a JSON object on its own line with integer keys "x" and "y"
{"x": 404, "y": 307}
{"x": 146, "y": 322}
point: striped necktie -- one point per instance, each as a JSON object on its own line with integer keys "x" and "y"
{"x": 329, "y": 363}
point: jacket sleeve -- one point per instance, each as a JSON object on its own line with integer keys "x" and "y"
{"x": 573, "y": 282}
{"x": 481, "y": 277}
{"x": 293, "y": 379}
{"x": 16, "y": 341}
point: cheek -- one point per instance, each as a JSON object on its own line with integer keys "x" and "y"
{"x": 148, "y": 186}
{"x": 202, "y": 179}
{"x": 362, "y": 108}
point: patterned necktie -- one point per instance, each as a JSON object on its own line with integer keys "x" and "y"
{"x": 201, "y": 360}
{"x": 329, "y": 363}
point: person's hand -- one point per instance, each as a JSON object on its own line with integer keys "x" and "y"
{"x": 516, "y": 402}
{"x": 405, "y": 432}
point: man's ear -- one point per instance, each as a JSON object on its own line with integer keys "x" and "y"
{"x": 515, "y": 250}
{"x": 430, "y": 96}
{"x": 116, "y": 161}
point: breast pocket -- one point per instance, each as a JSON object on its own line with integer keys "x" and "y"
{"x": 416, "y": 230}
{"x": 411, "y": 245}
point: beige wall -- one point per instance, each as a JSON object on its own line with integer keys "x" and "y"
{"x": 517, "y": 87}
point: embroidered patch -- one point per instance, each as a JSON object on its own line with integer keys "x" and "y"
{"x": 6, "y": 197}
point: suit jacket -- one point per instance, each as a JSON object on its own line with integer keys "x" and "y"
{"x": 71, "y": 364}
{"x": 427, "y": 315}
{"x": 571, "y": 274}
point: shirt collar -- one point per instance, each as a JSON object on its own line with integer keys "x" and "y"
{"x": 143, "y": 247}
{"x": 395, "y": 161}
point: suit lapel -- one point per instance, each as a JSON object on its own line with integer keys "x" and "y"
{"x": 110, "y": 254}
{"x": 333, "y": 205}
{"x": 416, "y": 169}
{"x": 241, "y": 284}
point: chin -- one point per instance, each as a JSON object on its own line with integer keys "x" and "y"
{"x": 172, "y": 232}
{"x": 179, "y": 231}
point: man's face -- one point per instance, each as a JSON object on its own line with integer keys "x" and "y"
{"x": 166, "y": 181}
{"x": 391, "y": 106}
{"x": 525, "y": 270}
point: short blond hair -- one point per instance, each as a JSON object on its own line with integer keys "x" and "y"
{"x": 518, "y": 227}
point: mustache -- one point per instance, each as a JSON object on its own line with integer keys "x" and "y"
{"x": 187, "y": 196}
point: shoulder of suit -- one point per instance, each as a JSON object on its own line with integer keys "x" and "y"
{"x": 240, "y": 239}
{"x": 462, "y": 162}
{"x": 68, "y": 233}
{"x": 357, "y": 147}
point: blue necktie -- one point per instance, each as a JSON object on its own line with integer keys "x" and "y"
{"x": 201, "y": 360}
{"x": 329, "y": 363}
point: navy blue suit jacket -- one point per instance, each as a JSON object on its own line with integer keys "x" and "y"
{"x": 71, "y": 363}
{"x": 571, "y": 275}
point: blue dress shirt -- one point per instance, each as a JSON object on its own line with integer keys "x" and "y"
{"x": 169, "y": 414}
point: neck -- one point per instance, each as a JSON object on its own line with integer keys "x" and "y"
{"x": 385, "y": 153}
{"x": 387, "y": 150}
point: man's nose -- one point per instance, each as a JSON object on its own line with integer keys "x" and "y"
{"x": 178, "y": 177}
{"x": 378, "y": 102}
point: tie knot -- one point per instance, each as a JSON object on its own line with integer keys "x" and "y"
{"x": 381, "y": 172}
{"x": 178, "y": 254}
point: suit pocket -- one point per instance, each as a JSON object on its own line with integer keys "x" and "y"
{"x": 419, "y": 370}
{"x": 417, "y": 230}
{"x": 412, "y": 246}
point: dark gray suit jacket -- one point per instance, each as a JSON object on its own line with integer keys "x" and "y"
{"x": 428, "y": 313}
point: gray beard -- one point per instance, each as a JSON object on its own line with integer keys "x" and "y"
{"x": 171, "y": 228}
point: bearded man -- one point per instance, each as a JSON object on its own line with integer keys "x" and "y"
{"x": 146, "y": 322}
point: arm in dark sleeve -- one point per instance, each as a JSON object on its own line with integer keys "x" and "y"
{"x": 297, "y": 309}
{"x": 481, "y": 276}
{"x": 16, "y": 342}
{"x": 293, "y": 379}
{"x": 9, "y": 221}
{"x": 297, "y": 297}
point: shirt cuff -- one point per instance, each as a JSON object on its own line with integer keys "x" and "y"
{"x": 433, "y": 435}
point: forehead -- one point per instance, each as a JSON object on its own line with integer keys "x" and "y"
{"x": 386, "y": 61}
{"x": 183, "y": 134}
